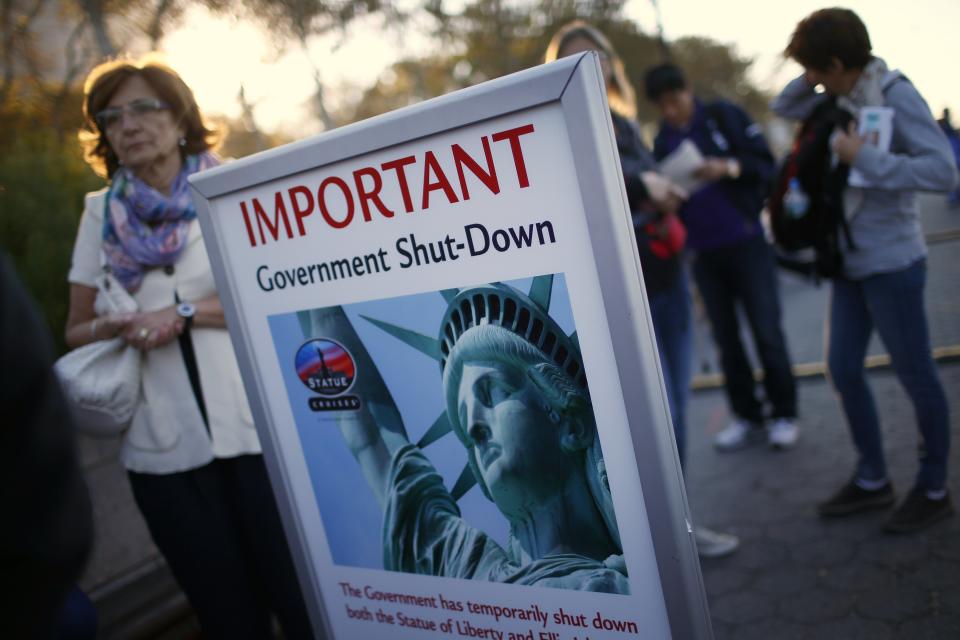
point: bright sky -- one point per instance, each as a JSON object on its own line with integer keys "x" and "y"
{"x": 218, "y": 54}
{"x": 919, "y": 37}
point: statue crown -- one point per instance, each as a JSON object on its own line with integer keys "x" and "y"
{"x": 524, "y": 315}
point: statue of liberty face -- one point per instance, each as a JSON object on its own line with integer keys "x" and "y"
{"x": 520, "y": 446}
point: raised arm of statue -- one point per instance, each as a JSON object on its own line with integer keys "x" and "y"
{"x": 376, "y": 430}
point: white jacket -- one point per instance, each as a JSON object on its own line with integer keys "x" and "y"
{"x": 167, "y": 434}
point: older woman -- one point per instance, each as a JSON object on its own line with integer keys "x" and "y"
{"x": 191, "y": 452}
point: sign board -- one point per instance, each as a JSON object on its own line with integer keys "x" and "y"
{"x": 440, "y": 321}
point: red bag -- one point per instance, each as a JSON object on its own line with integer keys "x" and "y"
{"x": 667, "y": 236}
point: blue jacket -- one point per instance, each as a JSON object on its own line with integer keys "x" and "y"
{"x": 725, "y": 212}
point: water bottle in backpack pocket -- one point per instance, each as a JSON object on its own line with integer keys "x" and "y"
{"x": 795, "y": 200}
{"x": 806, "y": 203}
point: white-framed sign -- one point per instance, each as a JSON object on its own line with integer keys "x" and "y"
{"x": 442, "y": 330}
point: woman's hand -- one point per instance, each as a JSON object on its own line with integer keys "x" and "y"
{"x": 846, "y": 144}
{"x": 110, "y": 325}
{"x": 153, "y": 329}
{"x": 714, "y": 169}
{"x": 663, "y": 193}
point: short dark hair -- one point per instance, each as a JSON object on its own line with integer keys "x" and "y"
{"x": 827, "y": 34}
{"x": 106, "y": 79}
{"x": 662, "y": 79}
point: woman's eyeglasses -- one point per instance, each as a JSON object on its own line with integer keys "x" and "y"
{"x": 110, "y": 118}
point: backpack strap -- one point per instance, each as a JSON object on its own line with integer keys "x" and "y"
{"x": 847, "y": 235}
{"x": 719, "y": 128}
{"x": 891, "y": 78}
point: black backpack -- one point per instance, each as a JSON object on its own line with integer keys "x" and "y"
{"x": 809, "y": 163}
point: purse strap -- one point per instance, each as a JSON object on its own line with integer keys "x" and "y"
{"x": 193, "y": 372}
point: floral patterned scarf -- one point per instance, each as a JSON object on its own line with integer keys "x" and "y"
{"x": 142, "y": 228}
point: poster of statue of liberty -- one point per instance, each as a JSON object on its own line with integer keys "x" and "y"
{"x": 451, "y": 433}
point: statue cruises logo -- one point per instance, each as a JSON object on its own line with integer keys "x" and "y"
{"x": 327, "y": 369}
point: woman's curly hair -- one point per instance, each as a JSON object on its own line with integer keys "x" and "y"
{"x": 104, "y": 81}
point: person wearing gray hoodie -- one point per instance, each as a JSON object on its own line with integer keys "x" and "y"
{"x": 885, "y": 269}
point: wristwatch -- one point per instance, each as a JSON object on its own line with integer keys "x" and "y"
{"x": 187, "y": 310}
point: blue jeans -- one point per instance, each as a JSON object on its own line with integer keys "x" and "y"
{"x": 670, "y": 310}
{"x": 893, "y": 303}
{"x": 746, "y": 274}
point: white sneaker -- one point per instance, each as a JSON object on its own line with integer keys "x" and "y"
{"x": 783, "y": 433}
{"x": 713, "y": 544}
{"x": 737, "y": 435}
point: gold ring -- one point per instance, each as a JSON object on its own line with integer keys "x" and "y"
{"x": 144, "y": 333}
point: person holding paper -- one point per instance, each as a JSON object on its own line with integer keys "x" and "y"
{"x": 734, "y": 265}
{"x": 192, "y": 453}
{"x": 654, "y": 200}
{"x": 884, "y": 273}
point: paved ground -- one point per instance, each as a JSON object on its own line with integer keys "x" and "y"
{"x": 797, "y": 576}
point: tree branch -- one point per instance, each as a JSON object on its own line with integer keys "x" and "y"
{"x": 73, "y": 65}
{"x": 94, "y": 11}
{"x": 155, "y": 30}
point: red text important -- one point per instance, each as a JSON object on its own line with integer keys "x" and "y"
{"x": 341, "y": 200}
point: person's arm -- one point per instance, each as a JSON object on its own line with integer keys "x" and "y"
{"x": 660, "y": 150}
{"x": 635, "y": 159}
{"x": 797, "y": 100}
{"x": 376, "y": 430}
{"x": 151, "y": 329}
{"x": 643, "y": 184}
{"x": 752, "y": 159}
{"x": 926, "y": 163}
{"x": 83, "y": 325}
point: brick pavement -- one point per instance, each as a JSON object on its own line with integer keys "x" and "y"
{"x": 799, "y": 577}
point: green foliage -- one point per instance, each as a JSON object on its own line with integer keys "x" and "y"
{"x": 408, "y": 82}
{"x": 491, "y": 38}
{"x": 716, "y": 71}
{"x": 301, "y": 19}
{"x": 240, "y": 140}
{"x": 42, "y": 184}
{"x": 43, "y": 179}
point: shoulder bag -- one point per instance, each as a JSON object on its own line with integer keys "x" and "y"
{"x": 102, "y": 379}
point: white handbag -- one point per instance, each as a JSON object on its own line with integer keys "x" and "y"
{"x": 101, "y": 380}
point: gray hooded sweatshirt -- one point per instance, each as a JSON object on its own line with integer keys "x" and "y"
{"x": 885, "y": 221}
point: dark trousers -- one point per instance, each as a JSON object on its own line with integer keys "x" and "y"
{"x": 893, "y": 303}
{"x": 745, "y": 274}
{"x": 219, "y": 529}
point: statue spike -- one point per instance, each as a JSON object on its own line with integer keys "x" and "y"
{"x": 440, "y": 428}
{"x": 464, "y": 483}
{"x": 540, "y": 291}
{"x": 424, "y": 344}
{"x": 449, "y": 294}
